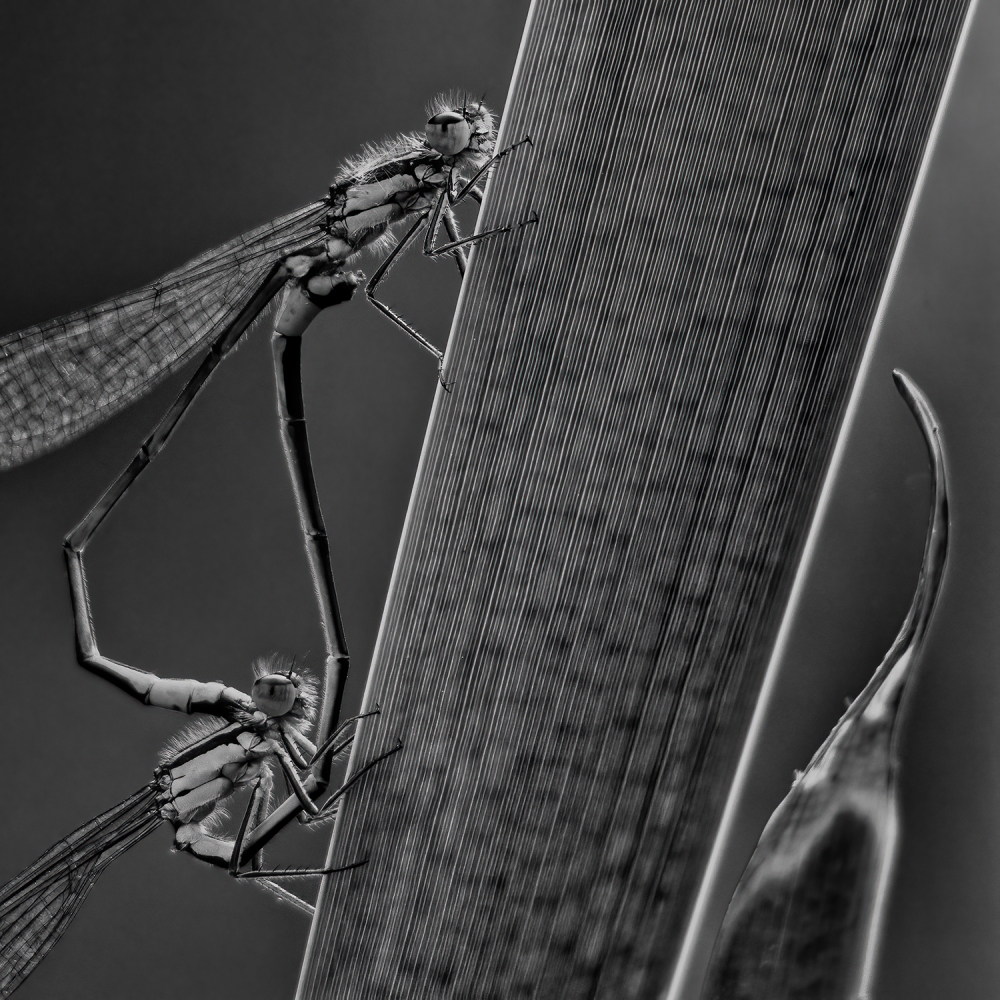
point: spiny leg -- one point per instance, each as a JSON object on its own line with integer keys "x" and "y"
{"x": 289, "y": 897}
{"x": 451, "y": 228}
{"x": 292, "y": 806}
{"x": 301, "y": 872}
{"x": 258, "y": 807}
{"x": 430, "y": 250}
{"x": 470, "y": 187}
{"x": 307, "y": 816}
{"x": 340, "y": 792}
{"x": 334, "y": 750}
{"x": 328, "y": 745}
{"x": 442, "y": 212}
{"x": 234, "y": 863}
{"x": 442, "y": 209}
{"x": 292, "y": 750}
{"x": 279, "y": 819}
{"x": 303, "y": 764}
{"x": 293, "y": 779}
{"x": 375, "y": 280}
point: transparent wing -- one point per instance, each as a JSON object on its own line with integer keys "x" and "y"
{"x": 37, "y": 905}
{"x": 62, "y": 377}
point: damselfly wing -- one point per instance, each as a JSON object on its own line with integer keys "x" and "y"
{"x": 62, "y": 377}
{"x": 37, "y": 906}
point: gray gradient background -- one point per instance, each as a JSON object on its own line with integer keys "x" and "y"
{"x": 135, "y": 140}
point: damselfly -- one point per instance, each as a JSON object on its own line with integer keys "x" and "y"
{"x": 60, "y": 378}
{"x": 197, "y": 773}
{"x": 64, "y": 376}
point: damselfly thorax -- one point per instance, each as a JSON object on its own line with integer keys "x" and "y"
{"x": 406, "y": 177}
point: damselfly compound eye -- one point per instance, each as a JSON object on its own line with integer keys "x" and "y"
{"x": 448, "y": 132}
{"x": 274, "y": 694}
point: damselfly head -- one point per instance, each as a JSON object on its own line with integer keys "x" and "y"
{"x": 278, "y": 690}
{"x": 275, "y": 694}
{"x": 448, "y": 133}
{"x": 458, "y": 124}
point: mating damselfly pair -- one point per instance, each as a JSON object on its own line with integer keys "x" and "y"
{"x": 60, "y": 378}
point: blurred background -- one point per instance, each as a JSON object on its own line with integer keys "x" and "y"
{"x": 137, "y": 139}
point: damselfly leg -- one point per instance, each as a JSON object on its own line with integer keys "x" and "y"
{"x": 449, "y": 197}
{"x": 234, "y": 870}
{"x": 258, "y": 805}
{"x": 442, "y": 212}
{"x": 470, "y": 187}
{"x": 329, "y": 806}
{"x": 330, "y": 747}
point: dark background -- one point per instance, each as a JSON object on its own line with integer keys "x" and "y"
{"x": 134, "y": 140}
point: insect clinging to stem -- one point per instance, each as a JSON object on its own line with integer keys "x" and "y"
{"x": 199, "y": 770}
{"x": 243, "y": 740}
{"x": 64, "y": 376}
